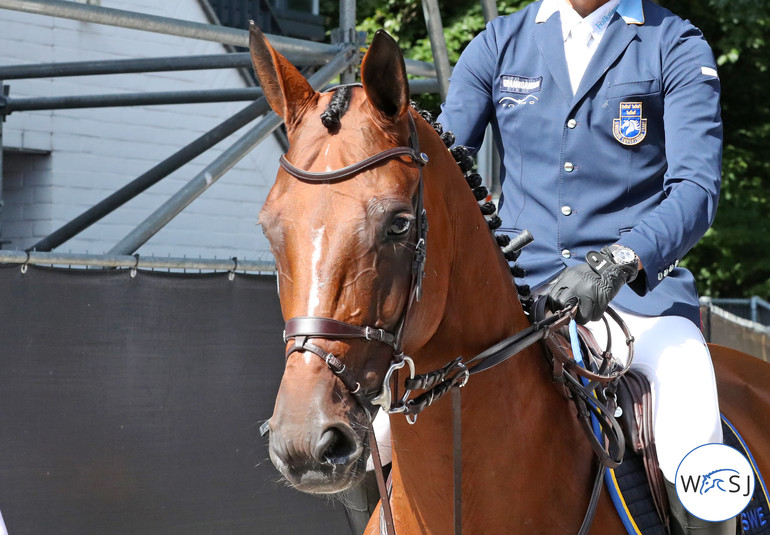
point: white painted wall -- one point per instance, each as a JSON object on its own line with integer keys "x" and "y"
{"x": 93, "y": 152}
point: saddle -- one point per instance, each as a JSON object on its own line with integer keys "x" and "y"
{"x": 637, "y": 482}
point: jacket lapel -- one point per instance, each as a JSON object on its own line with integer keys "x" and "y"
{"x": 616, "y": 39}
{"x": 550, "y": 41}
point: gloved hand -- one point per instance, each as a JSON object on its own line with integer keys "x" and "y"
{"x": 591, "y": 286}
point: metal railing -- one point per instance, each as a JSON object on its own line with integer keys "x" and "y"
{"x": 753, "y": 308}
{"x": 108, "y": 261}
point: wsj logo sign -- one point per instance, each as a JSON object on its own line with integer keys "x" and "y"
{"x": 724, "y": 479}
{"x": 715, "y": 482}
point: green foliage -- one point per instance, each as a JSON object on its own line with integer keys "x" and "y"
{"x": 461, "y": 25}
{"x": 462, "y": 21}
{"x": 733, "y": 259}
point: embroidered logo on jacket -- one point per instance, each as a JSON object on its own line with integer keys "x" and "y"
{"x": 510, "y": 102}
{"x": 520, "y": 84}
{"x": 630, "y": 128}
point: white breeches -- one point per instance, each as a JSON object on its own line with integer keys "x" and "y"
{"x": 671, "y": 352}
{"x": 381, "y": 426}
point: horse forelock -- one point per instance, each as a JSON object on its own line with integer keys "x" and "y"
{"x": 338, "y": 105}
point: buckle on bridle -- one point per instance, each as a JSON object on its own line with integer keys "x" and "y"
{"x": 464, "y": 373}
{"x": 385, "y": 397}
{"x": 374, "y": 335}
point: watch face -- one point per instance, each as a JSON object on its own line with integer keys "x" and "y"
{"x": 624, "y": 256}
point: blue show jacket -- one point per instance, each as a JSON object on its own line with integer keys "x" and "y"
{"x": 634, "y": 157}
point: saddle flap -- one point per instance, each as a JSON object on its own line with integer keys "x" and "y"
{"x": 635, "y": 399}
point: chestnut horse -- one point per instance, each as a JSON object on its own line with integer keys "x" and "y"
{"x": 345, "y": 248}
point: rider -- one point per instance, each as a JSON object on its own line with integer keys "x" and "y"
{"x": 606, "y": 116}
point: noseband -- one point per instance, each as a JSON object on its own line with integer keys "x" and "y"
{"x": 302, "y": 328}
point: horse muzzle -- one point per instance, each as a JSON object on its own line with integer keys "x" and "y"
{"x": 321, "y": 458}
{"x": 319, "y": 428}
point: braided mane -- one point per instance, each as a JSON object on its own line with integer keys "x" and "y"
{"x": 467, "y": 165}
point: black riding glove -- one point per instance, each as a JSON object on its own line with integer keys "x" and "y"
{"x": 591, "y": 286}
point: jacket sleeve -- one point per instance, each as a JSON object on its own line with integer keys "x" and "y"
{"x": 693, "y": 150}
{"x": 468, "y": 107}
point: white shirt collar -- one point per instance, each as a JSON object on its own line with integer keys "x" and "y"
{"x": 631, "y": 11}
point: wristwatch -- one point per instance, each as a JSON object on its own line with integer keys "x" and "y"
{"x": 618, "y": 255}
{"x": 623, "y": 256}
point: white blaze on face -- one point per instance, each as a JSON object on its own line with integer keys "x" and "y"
{"x": 326, "y": 155}
{"x": 315, "y": 282}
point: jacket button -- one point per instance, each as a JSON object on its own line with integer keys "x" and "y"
{"x": 660, "y": 276}
{"x": 566, "y": 253}
{"x": 568, "y": 167}
{"x": 566, "y": 210}
{"x": 572, "y": 123}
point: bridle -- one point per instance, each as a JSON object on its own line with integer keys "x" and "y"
{"x": 302, "y": 328}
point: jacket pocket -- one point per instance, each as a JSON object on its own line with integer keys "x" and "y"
{"x": 633, "y": 89}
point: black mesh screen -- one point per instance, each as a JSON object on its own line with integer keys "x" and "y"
{"x": 132, "y": 405}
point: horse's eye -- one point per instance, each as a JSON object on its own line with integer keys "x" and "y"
{"x": 399, "y": 226}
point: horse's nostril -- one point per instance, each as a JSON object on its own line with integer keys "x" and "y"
{"x": 336, "y": 446}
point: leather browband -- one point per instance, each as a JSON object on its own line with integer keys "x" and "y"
{"x": 357, "y": 167}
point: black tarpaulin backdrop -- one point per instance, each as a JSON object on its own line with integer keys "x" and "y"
{"x": 132, "y": 405}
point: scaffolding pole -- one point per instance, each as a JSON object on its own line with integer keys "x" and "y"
{"x": 157, "y": 24}
{"x": 420, "y": 68}
{"x": 437, "y": 45}
{"x": 244, "y": 94}
{"x": 348, "y": 35}
{"x": 143, "y": 65}
{"x": 2, "y": 120}
{"x": 488, "y": 9}
{"x": 203, "y": 180}
{"x": 418, "y": 86}
{"x": 157, "y": 98}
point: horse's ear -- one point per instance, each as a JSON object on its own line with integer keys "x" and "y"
{"x": 383, "y": 74}
{"x": 286, "y": 90}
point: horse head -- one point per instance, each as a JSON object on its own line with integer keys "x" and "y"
{"x": 345, "y": 249}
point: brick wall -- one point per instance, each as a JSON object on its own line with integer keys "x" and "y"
{"x": 93, "y": 152}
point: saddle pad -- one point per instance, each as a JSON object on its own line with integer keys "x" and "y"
{"x": 630, "y": 492}
{"x": 755, "y": 519}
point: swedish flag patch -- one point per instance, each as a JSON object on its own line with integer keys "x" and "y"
{"x": 631, "y": 127}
